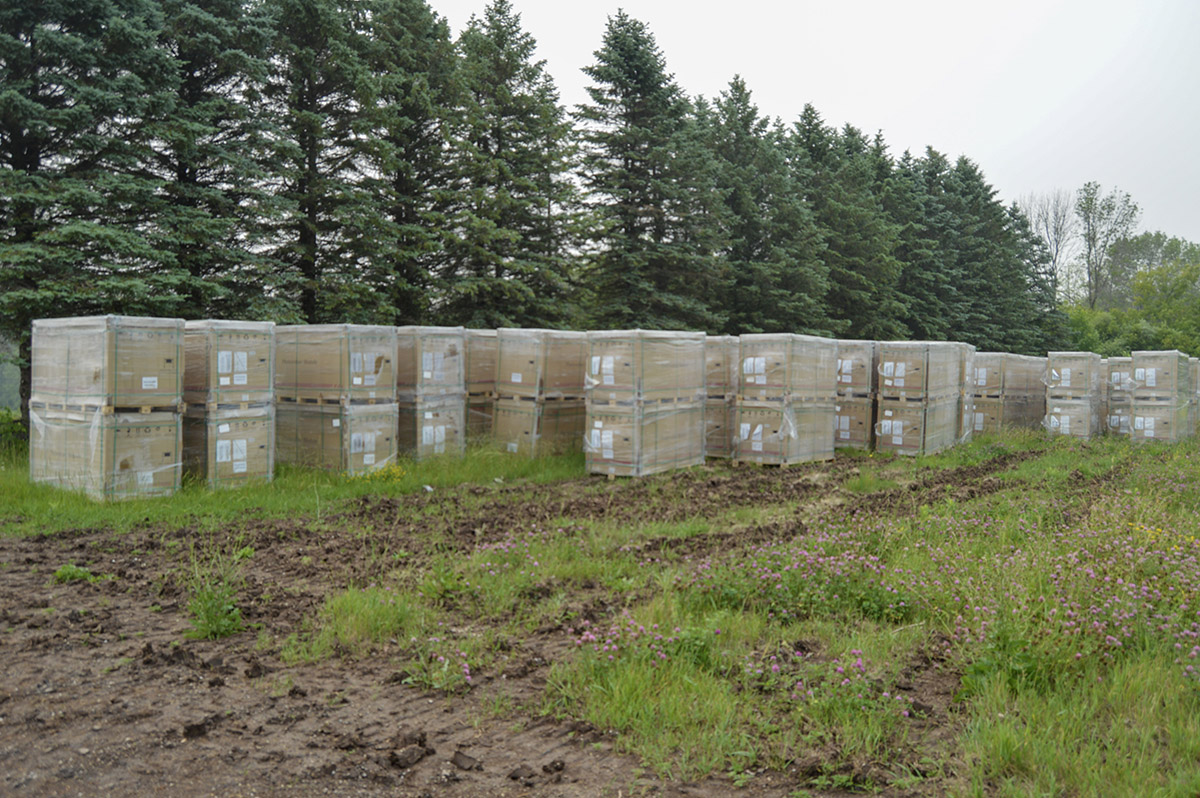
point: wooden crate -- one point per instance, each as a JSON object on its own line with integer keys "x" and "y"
{"x": 318, "y": 364}
{"x": 229, "y": 447}
{"x": 228, "y": 362}
{"x": 353, "y": 439}
{"x": 541, "y": 427}
{"x": 643, "y": 439}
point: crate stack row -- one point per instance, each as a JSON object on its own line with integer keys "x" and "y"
{"x": 431, "y": 391}
{"x": 106, "y": 405}
{"x": 335, "y": 403}
{"x": 854, "y": 422}
{"x": 925, "y": 400}
{"x": 539, "y": 388}
{"x": 645, "y": 397}
{"x": 1009, "y": 391}
{"x": 1074, "y": 399}
{"x": 721, "y": 388}
{"x": 229, "y": 401}
{"x": 1162, "y": 396}
{"x": 786, "y": 399}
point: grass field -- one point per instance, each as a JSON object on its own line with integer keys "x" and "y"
{"x": 1015, "y": 617}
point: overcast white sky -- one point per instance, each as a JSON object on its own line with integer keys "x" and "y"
{"x": 1042, "y": 94}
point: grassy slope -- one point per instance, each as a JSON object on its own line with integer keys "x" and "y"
{"x": 1062, "y": 601}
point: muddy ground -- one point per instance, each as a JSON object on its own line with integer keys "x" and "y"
{"x": 104, "y": 694}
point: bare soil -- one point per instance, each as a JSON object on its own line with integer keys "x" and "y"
{"x": 104, "y": 694}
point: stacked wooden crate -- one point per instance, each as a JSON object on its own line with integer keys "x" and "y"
{"x": 787, "y": 395}
{"x": 335, "y": 396}
{"x": 228, "y": 395}
{"x": 1162, "y": 395}
{"x": 854, "y": 421}
{"x": 1073, "y": 394}
{"x": 1009, "y": 391}
{"x": 539, "y": 390}
{"x": 645, "y": 401}
{"x": 105, "y": 405}
{"x": 431, "y": 391}
{"x": 921, "y": 404}
{"x": 721, "y": 384}
{"x": 480, "y": 370}
{"x": 1118, "y": 405}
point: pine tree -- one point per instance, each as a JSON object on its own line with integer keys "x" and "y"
{"x": 651, "y": 189}
{"x": 508, "y": 267}
{"x": 84, "y": 84}
{"x": 925, "y": 284}
{"x": 212, "y": 155}
{"x": 778, "y": 281}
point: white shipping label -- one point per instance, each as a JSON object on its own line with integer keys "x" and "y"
{"x": 844, "y": 422}
{"x": 745, "y": 432}
{"x": 1139, "y": 422}
{"x": 239, "y": 449}
{"x": 512, "y": 447}
{"x": 885, "y": 428}
{"x": 889, "y": 368}
{"x": 1149, "y": 426}
{"x": 608, "y": 367}
{"x": 224, "y": 451}
{"x": 428, "y": 414}
{"x": 368, "y": 459}
{"x": 239, "y": 379}
{"x": 145, "y": 479}
{"x": 239, "y": 467}
{"x": 337, "y": 422}
{"x": 981, "y": 376}
{"x": 368, "y": 441}
{"x": 595, "y": 364}
{"x": 368, "y": 380}
{"x": 222, "y": 428}
{"x": 887, "y": 413}
{"x": 356, "y": 362}
{"x": 1139, "y": 375}
{"x": 222, "y": 381}
{"x": 845, "y": 378}
{"x": 224, "y": 362}
{"x": 149, "y": 383}
{"x": 1066, "y": 377}
{"x": 427, "y": 375}
{"x": 843, "y": 434}
{"x": 900, "y": 368}
{"x": 756, "y": 446}
{"x": 760, "y": 379}
{"x": 516, "y": 378}
{"x": 1151, "y": 378}
{"x": 606, "y": 444}
{"x": 357, "y": 380}
{"x": 978, "y": 422}
{"x": 899, "y": 382}
{"x": 897, "y": 440}
{"x": 240, "y": 361}
{"x": 427, "y": 435}
{"x": 897, "y": 427}
{"x": 593, "y": 442}
{"x": 356, "y": 443}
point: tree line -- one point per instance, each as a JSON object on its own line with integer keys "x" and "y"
{"x": 350, "y": 160}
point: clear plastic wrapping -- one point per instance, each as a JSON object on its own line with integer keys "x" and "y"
{"x": 720, "y": 419}
{"x": 481, "y": 411}
{"x": 228, "y": 362}
{"x": 541, "y": 427}
{"x": 1078, "y": 418}
{"x": 854, "y": 423}
{"x": 1194, "y": 422}
{"x": 1159, "y": 420}
{"x": 644, "y": 439}
{"x": 335, "y": 363}
{"x": 626, "y": 367}
{"x": 229, "y": 447}
{"x": 541, "y": 364}
{"x": 353, "y": 439}
{"x": 856, "y": 367}
{"x": 430, "y": 361}
{"x": 480, "y": 370}
{"x": 1072, "y": 375}
{"x": 912, "y": 427}
{"x": 785, "y": 367}
{"x": 989, "y": 374}
{"x": 923, "y": 369}
{"x": 1161, "y": 374}
{"x": 106, "y": 455}
{"x": 121, "y": 362}
{"x": 721, "y": 366}
{"x": 784, "y": 433}
{"x": 433, "y": 426}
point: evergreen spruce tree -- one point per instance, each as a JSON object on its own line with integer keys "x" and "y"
{"x": 777, "y": 280}
{"x": 860, "y": 238}
{"x": 925, "y": 286}
{"x": 650, "y": 185}
{"x": 411, "y": 176}
{"x": 212, "y": 155}
{"x": 508, "y": 266}
{"x": 82, "y": 86}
